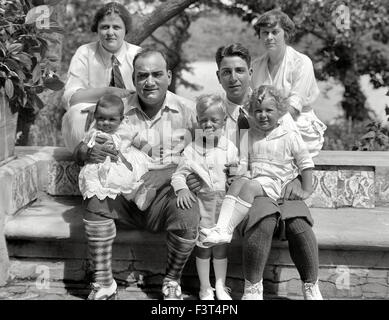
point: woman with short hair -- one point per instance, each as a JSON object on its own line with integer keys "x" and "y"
{"x": 98, "y": 68}
{"x": 291, "y": 72}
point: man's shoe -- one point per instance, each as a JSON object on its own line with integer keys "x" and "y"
{"x": 206, "y": 294}
{"x": 216, "y": 237}
{"x": 171, "y": 290}
{"x": 311, "y": 291}
{"x": 103, "y": 293}
{"x": 253, "y": 291}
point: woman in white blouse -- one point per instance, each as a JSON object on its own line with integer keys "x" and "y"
{"x": 91, "y": 70}
{"x": 291, "y": 72}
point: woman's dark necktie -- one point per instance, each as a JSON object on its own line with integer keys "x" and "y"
{"x": 117, "y": 79}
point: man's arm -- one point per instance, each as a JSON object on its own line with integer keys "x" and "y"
{"x": 158, "y": 178}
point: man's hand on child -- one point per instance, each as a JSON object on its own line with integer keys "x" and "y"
{"x": 185, "y": 198}
{"x": 99, "y": 153}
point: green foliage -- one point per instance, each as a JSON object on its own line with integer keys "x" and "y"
{"x": 24, "y": 73}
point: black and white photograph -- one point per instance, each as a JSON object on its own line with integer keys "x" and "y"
{"x": 220, "y": 150}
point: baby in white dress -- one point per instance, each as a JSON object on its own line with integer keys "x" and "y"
{"x": 109, "y": 179}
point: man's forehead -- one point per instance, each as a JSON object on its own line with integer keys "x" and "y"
{"x": 232, "y": 62}
{"x": 150, "y": 63}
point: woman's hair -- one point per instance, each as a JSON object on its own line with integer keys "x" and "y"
{"x": 260, "y": 93}
{"x": 110, "y": 101}
{"x": 233, "y": 50}
{"x": 273, "y": 17}
{"x": 206, "y": 101}
{"x": 112, "y": 8}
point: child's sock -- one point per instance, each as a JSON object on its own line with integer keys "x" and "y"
{"x": 220, "y": 268}
{"x": 203, "y": 267}
{"x": 100, "y": 235}
{"x": 226, "y": 212}
{"x": 241, "y": 210}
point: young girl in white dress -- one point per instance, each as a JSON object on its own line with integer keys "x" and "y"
{"x": 275, "y": 155}
{"x": 109, "y": 179}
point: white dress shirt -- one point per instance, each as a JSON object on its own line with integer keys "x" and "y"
{"x": 91, "y": 67}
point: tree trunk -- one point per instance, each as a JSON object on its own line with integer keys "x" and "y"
{"x": 163, "y": 13}
{"x": 353, "y": 102}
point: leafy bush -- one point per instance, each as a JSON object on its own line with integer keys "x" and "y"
{"x": 357, "y": 135}
{"x": 24, "y": 72}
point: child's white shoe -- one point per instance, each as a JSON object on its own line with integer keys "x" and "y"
{"x": 216, "y": 237}
{"x": 311, "y": 291}
{"x": 253, "y": 291}
{"x": 207, "y": 294}
{"x": 223, "y": 292}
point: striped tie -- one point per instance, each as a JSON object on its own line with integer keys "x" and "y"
{"x": 117, "y": 79}
{"x": 243, "y": 124}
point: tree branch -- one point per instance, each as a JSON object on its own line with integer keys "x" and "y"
{"x": 158, "y": 17}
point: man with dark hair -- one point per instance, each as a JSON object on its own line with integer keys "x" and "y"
{"x": 234, "y": 74}
{"x": 164, "y": 122}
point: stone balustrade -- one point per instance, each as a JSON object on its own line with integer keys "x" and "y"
{"x": 341, "y": 179}
{"x": 349, "y": 206}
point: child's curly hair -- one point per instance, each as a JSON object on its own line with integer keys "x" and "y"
{"x": 260, "y": 93}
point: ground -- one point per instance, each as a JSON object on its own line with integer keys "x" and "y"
{"x": 30, "y": 290}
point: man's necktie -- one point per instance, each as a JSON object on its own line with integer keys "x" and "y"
{"x": 243, "y": 122}
{"x": 117, "y": 79}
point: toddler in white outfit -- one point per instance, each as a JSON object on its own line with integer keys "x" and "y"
{"x": 109, "y": 179}
{"x": 207, "y": 156}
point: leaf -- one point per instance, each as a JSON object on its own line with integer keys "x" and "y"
{"x": 36, "y": 74}
{"x": 9, "y": 88}
{"x": 369, "y": 135}
{"x": 47, "y": 2}
{"x": 53, "y": 83}
{"x": 37, "y": 103}
{"x": 52, "y": 2}
{"x": 39, "y": 15}
{"x": 12, "y": 64}
{"x": 25, "y": 59}
{"x": 53, "y": 29}
{"x": 15, "y": 48}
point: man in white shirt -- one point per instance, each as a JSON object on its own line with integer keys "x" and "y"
{"x": 288, "y": 219}
{"x": 164, "y": 122}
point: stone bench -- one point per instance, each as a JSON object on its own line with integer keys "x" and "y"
{"x": 43, "y": 227}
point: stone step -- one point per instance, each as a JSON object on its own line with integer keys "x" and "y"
{"x": 47, "y": 239}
